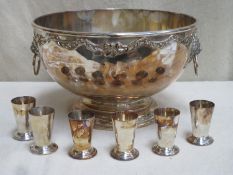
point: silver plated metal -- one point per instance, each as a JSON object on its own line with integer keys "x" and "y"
{"x": 104, "y": 122}
{"x": 124, "y": 125}
{"x": 167, "y": 120}
{"x": 200, "y": 141}
{"x": 117, "y": 57}
{"x": 165, "y": 151}
{"x": 81, "y": 125}
{"x": 201, "y": 115}
{"x": 73, "y": 38}
{"x": 23, "y": 136}
{"x": 115, "y": 49}
{"x": 21, "y": 106}
{"x": 125, "y": 156}
{"x": 43, "y": 150}
{"x": 41, "y": 121}
{"x": 84, "y": 154}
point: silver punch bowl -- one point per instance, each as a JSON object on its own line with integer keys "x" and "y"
{"x": 115, "y": 59}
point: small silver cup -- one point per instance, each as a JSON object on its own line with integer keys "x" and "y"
{"x": 201, "y": 114}
{"x": 167, "y": 120}
{"x": 21, "y": 106}
{"x": 124, "y": 125}
{"x": 41, "y": 121}
{"x": 81, "y": 125}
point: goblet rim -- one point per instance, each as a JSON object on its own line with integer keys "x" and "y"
{"x": 202, "y": 104}
{"x": 128, "y": 116}
{"x": 23, "y": 100}
{"x": 41, "y": 111}
{"x": 81, "y": 115}
{"x": 167, "y": 112}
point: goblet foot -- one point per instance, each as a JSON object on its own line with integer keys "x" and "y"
{"x": 165, "y": 151}
{"x": 43, "y": 150}
{"x": 83, "y": 155}
{"x": 200, "y": 141}
{"x": 22, "y": 136}
{"x": 128, "y": 155}
{"x": 104, "y": 110}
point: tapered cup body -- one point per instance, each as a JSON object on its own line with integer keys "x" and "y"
{"x": 124, "y": 125}
{"x": 21, "y": 107}
{"x": 167, "y": 120}
{"x": 81, "y": 125}
{"x": 41, "y": 121}
{"x": 201, "y": 115}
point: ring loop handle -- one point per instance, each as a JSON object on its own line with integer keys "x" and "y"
{"x": 36, "y": 64}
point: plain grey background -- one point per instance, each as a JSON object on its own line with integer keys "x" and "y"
{"x": 215, "y": 25}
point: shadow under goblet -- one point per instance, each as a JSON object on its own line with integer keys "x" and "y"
{"x": 21, "y": 106}
{"x": 167, "y": 120}
{"x": 81, "y": 125}
{"x": 124, "y": 125}
{"x": 201, "y": 114}
{"x": 41, "y": 121}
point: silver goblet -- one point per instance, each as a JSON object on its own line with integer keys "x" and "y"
{"x": 167, "y": 120}
{"x": 201, "y": 114}
{"x": 41, "y": 121}
{"x": 81, "y": 125}
{"x": 21, "y": 106}
{"x": 124, "y": 125}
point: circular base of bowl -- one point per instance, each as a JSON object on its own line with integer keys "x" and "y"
{"x": 104, "y": 110}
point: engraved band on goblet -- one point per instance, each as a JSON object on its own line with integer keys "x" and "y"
{"x": 21, "y": 106}
{"x": 201, "y": 114}
{"x": 81, "y": 125}
{"x": 41, "y": 121}
{"x": 167, "y": 120}
{"x": 124, "y": 125}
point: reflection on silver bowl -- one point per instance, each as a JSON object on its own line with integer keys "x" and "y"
{"x": 115, "y": 59}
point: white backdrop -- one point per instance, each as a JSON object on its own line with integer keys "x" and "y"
{"x": 215, "y": 23}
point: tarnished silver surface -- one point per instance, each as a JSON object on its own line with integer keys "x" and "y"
{"x": 38, "y": 41}
{"x": 103, "y": 115}
{"x": 21, "y": 106}
{"x": 167, "y": 120}
{"x": 23, "y": 136}
{"x": 201, "y": 114}
{"x": 84, "y": 154}
{"x": 115, "y": 56}
{"x": 43, "y": 150}
{"x": 41, "y": 121}
{"x": 81, "y": 125}
{"x": 124, "y": 125}
{"x": 117, "y": 48}
{"x": 126, "y": 155}
{"x": 165, "y": 151}
{"x": 200, "y": 141}
{"x": 181, "y": 30}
